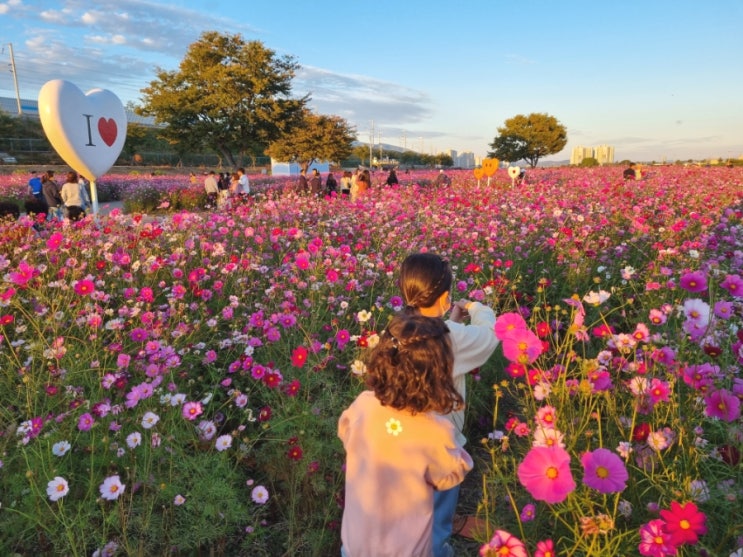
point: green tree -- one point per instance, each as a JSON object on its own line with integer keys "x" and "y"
{"x": 510, "y": 148}
{"x": 543, "y": 134}
{"x": 228, "y": 95}
{"x": 315, "y": 138}
{"x": 589, "y": 162}
{"x": 362, "y": 152}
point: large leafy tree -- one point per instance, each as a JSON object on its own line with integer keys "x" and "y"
{"x": 509, "y": 148}
{"x": 530, "y": 138}
{"x": 228, "y": 95}
{"x": 315, "y": 137}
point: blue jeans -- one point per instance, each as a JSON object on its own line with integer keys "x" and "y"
{"x": 444, "y": 507}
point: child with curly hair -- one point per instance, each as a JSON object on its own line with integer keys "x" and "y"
{"x": 399, "y": 446}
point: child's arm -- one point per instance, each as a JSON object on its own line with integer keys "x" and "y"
{"x": 474, "y": 343}
{"x": 449, "y": 461}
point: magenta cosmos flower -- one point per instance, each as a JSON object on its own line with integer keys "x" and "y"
{"x": 503, "y": 544}
{"x": 654, "y": 541}
{"x": 695, "y": 281}
{"x": 604, "y": 471}
{"x": 545, "y": 473}
{"x": 722, "y": 404}
{"x": 734, "y": 285}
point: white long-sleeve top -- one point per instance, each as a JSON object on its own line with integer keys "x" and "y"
{"x": 473, "y": 344}
{"x": 71, "y": 195}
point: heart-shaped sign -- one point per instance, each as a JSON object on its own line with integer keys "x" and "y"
{"x": 87, "y": 130}
{"x": 490, "y": 166}
{"x": 479, "y": 173}
{"x": 514, "y": 171}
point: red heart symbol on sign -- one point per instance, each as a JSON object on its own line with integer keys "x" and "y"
{"x": 108, "y": 131}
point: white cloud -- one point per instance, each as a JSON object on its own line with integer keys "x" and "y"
{"x": 89, "y": 18}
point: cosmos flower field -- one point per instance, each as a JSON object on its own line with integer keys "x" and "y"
{"x": 170, "y": 382}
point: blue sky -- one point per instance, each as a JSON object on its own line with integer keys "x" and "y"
{"x": 657, "y": 79}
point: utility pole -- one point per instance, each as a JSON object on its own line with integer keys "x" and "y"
{"x": 371, "y": 143}
{"x": 380, "y": 144}
{"x": 15, "y": 78}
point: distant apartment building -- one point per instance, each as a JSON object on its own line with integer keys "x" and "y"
{"x": 466, "y": 160}
{"x": 604, "y": 154}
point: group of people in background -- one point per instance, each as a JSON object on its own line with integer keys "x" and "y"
{"x": 223, "y": 187}
{"x": 70, "y": 200}
{"x": 352, "y": 184}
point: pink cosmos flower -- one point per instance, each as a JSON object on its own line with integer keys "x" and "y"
{"x": 54, "y": 241}
{"x": 508, "y": 323}
{"x": 24, "y": 274}
{"x": 658, "y": 391}
{"x": 192, "y": 410}
{"x": 522, "y": 346}
{"x": 654, "y": 541}
{"x": 342, "y": 338}
{"x": 528, "y": 513}
{"x": 604, "y": 471}
{"x": 657, "y": 317}
{"x": 111, "y": 488}
{"x": 684, "y": 523}
{"x": 545, "y": 548}
{"x": 85, "y": 422}
{"x": 546, "y": 417}
{"x": 503, "y": 544}
{"x": 302, "y": 261}
{"x": 722, "y": 404}
{"x": 84, "y": 287}
{"x": 545, "y": 473}
{"x": 695, "y": 281}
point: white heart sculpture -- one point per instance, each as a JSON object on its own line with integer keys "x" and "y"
{"x": 513, "y": 171}
{"x": 87, "y": 130}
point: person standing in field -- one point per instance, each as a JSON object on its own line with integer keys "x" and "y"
{"x": 399, "y": 446}
{"x": 34, "y": 186}
{"x": 346, "y": 183}
{"x": 212, "y": 190}
{"x": 72, "y": 197}
{"x": 244, "y": 189}
{"x": 425, "y": 284}
{"x": 50, "y": 191}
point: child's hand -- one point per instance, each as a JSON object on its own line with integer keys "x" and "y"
{"x": 459, "y": 311}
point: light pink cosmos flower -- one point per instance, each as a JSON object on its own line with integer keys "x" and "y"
{"x": 697, "y": 311}
{"x": 134, "y": 440}
{"x": 259, "y": 495}
{"x": 111, "y": 488}
{"x": 223, "y": 442}
{"x": 57, "y": 488}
